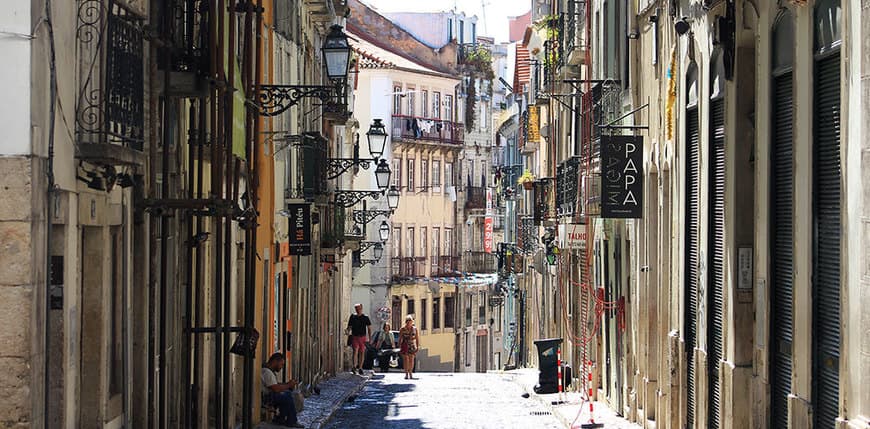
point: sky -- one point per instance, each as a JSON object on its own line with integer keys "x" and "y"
{"x": 496, "y": 12}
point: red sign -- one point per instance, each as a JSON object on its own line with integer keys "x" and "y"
{"x": 487, "y": 234}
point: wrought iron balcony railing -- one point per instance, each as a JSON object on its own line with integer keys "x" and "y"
{"x": 110, "y": 108}
{"x": 567, "y": 186}
{"x": 415, "y": 128}
{"x": 408, "y": 268}
{"x": 446, "y": 266}
{"x": 479, "y": 262}
{"x": 475, "y": 197}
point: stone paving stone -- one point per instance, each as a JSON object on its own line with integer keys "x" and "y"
{"x": 319, "y": 408}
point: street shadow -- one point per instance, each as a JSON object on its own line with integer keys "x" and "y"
{"x": 374, "y": 407}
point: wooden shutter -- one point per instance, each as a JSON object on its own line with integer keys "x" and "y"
{"x": 782, "y": 249}
{"x": 693, "y": 161}
{"x": 826, "y": 257}
{"x": 716, "y": 258}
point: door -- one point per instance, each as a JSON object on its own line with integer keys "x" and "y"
{"x": 827, "y": 232}
{"x": 782, "y": 248}
{"x": 716, "y": 261}
{"x": 692, "y": 205}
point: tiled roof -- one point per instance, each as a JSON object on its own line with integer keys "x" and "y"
{"x": 374, "y": 57}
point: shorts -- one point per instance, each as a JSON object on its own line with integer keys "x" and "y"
{"x": 358, "y": 342}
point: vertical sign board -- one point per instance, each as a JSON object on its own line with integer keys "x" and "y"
{"x": 487, "y": 223}
{"x": 622, "y": 177}
{"x": 300, "y": 229}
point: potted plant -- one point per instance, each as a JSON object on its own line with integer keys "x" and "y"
{"x": 527, "y": 180}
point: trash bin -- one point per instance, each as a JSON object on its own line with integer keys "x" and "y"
{"x": 548, "y": 377}
{"x": 567, "y": 376}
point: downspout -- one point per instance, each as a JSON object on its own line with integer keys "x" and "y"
{"x": 52, "y": 92}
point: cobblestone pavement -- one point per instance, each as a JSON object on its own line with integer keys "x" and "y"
{"x": 442, "y": 400}
{"x": 319, "y": 407}
{"x": 571, "y": 410}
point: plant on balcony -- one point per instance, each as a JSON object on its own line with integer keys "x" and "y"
{"x": 527, "y": 180}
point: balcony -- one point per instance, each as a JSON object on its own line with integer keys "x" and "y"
{"x": 479, "y": 262}
{"x": 110, "y": 111}
{"x": 408, "y": 268}
{"x": 426, "y": 130}
{"x": 475, "y": 197}
{"x": 446, "y": 266}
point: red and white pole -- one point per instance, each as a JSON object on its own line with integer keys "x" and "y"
{"x": 559, "y": 370}
{"x": 591, "y": 406}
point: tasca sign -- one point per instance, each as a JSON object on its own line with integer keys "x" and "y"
{"x": 300, "y": 229}
{"x": 572, "y": 236}
{"x": 621, "y": 176}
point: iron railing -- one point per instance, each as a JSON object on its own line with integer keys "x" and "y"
{"x": 479, "y": 262}
{"x": 427, "y": 129}
{"x": 446, "y": 266}
{"x": 475, "y": 197}
{"x": 110, "y": 106}
{"x": 566, "y": 186}
{"x": 408, "y": 268}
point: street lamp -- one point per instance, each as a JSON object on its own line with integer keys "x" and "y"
{"x": 393, "y": 198}
{"x": 336, "y": 53}
{"x": 384, "y": 231}
{"x": 379, "y": 251}
{"x": 382, "y": 175}
{"x": 377, "y": 136}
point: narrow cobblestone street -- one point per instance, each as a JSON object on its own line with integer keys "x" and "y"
{"x": 436, "y": 400}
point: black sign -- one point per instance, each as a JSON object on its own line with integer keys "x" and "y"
{"x": 300, "y": 229}
{"x": 621, "y": 177}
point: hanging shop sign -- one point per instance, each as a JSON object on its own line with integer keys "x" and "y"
{"x": 621, "y": 177}
{"x": 572, "y": 236}
{"x": 487, "y": 223}
{"x": 300, "y": 229}
{"x": 534, "y": 125}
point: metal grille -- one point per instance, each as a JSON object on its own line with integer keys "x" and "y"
{"x": 782, "y": 249}
{"x": 110, "y": 104}
{"x": 693, "y": 161}
{"x": 826, "y": 284}
{"x": 716, "y": 255}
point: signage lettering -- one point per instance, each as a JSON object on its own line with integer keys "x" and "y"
{"x": 622, "y": 177}
{"x": 300, "y": 229}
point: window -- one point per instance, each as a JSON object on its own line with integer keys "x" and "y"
{"x": 396, "y": 238}
{"x": 461, "y": 31}
{"x": 410, "y": 243}
{"x": 436, "y": 313}
{"x": 436, "y": 244}
{"x": 410, "y": 175}
{"x": 424, "y": 175}
{"x": 448, "y": 174}
{"x": 412, "y": 101}
{"x": 448, "y": 242}
{"x": 424, "y": 242}
{"x": 448, "y": 108}
{"x": 473, "y": 32}
{"x": 436, "y": 104}
{"x": 396, "y": 176}
{"x": 481, "y": 308}
{"x": 449, "y": 29}
{"x": 409, "y": 308}
{"x": 449, "y": 311}
{"x": 424, "y": 103}
{"x": 422, "y": 318}
{"x": 436, "y": 176}
{"x": 468, "y": 299}
{"x": 397, "y": 99}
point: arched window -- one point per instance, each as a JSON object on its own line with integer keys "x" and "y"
{"x": 783, "y": 43}
{"x": 692, "y": 85}
{"x": 828, "y": 16}
{"x": 717, "y": 74}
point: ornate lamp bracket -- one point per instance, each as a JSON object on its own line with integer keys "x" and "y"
{"x": 276, "y": 99}
{"x": 363, "y": 217}
{"x": 336, "y": 166}
{"x": 344, "y": 198}
{"x": 364, "y": 262}
{"x": 366, "y": 245}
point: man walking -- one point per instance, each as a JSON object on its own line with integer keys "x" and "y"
{"x": 360, "y": 331}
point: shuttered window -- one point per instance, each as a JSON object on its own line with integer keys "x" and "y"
{"x": 826, "y": 284}
{"x": 781, "y": 219}
{"x": 693, "y": 169}
{"x": 716, "y": 258}
{"x": 826, "y": 214}
{"x": 782, "y": 249}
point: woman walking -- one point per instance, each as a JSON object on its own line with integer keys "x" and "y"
{"x": 409, "y": 343}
